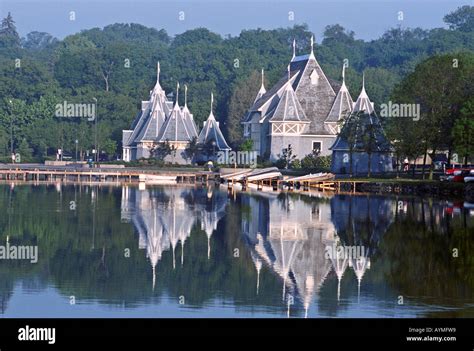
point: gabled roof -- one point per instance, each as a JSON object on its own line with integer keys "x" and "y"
{"x": 289, "y": 108}
{"x": 211, "y": 132}
{"x": 315, "y": 92}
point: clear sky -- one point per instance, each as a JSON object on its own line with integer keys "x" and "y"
{"x": 368, "y": 19}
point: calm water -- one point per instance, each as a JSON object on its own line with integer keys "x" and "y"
{"x": 201, "y": 252}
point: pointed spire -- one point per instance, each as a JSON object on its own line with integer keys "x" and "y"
{"x": 177, "y": 93}
{"x": 158, "y": 71}
{"x": 263, "y": 79}
{"x": 288, "y": 68}
{"x": 344, "y": 73}
{"x": 363, "y": 81}
{"x": 311, "y": 54}
{"x": 294, "y": 49}
{"x": 212, "y": 100}
{"x": 185, "y": 95}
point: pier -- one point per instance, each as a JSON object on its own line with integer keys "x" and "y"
{"x": 40, "y": 173}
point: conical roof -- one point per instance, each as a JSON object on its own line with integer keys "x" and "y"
{"x": 363, "y": 102}
{"x": 212, "y": 133}
{"x": 342, "y": 106}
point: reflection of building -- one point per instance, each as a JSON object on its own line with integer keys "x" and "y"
{"x": 292, "y": 243}
{"x": 164, "y": 217}
{"x": 293, "y": 236}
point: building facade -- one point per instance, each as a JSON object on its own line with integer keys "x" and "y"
{"x": 161, "y": 121}
{"x": 303, "y": 109}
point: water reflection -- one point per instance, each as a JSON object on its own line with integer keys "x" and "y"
{"x": 304, "y": 240}
{"x": 138, "y": 251}
{"x": 164, "y": 217}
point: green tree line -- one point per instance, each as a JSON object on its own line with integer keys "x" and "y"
{"x": 117, "y": 66}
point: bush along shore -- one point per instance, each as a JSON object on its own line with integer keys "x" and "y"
{"x": 418, "y": 188}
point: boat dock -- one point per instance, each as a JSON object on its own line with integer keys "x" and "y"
{"x": 271, "y": 179}
{"x": 261, "y": 179}
{"x": 119, "y": 175}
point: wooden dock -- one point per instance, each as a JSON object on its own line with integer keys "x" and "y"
{"x": 119, "y": 175}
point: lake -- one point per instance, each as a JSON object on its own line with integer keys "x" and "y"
{"x": 186, "y": 251}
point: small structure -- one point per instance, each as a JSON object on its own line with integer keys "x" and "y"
{"x": 361, "y": 144}
{"x": 164, "y": 125}
{"x": 210, "y": 138}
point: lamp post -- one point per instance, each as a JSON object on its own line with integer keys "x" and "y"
{"x": 11, "y": 127}
{"x": 95, "y": 137}
{"x": 76, "y": 142}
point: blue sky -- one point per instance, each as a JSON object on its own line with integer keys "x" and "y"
{"x": 368, "y": 19}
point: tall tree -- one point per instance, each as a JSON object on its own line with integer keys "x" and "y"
{"x": 8, "y": 33}
{"x": 242, "y": 99}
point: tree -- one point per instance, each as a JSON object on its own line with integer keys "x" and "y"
{"x": 247, "y": 145}
{"x": 191, "y": 150}
{"x": 162, "y": 150}
{"x": 39, "y": 41}
{"x": 439, "y": 86}
{"x": 369, "y": 141}
{"x": 463, "y": 132}
{"x": 242, "y": 99}
{"x": 350, "y": 132}
{"x": 24, "y": 150}
{"x": 8, "y": 33}
{"x": 461, "y": 19}
{"x": 337, "y": 33}
{"x": 286, "y": 158}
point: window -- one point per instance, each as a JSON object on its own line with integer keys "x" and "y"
{"x": 314, "y": 77}
{"x": 247, "y": 129}
{"x": 317, "y": 146}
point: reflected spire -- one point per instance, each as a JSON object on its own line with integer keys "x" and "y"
{"x": 174, "y": 257}
{"x": 258, "y": 266}
{"x": 208, "y": 247}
